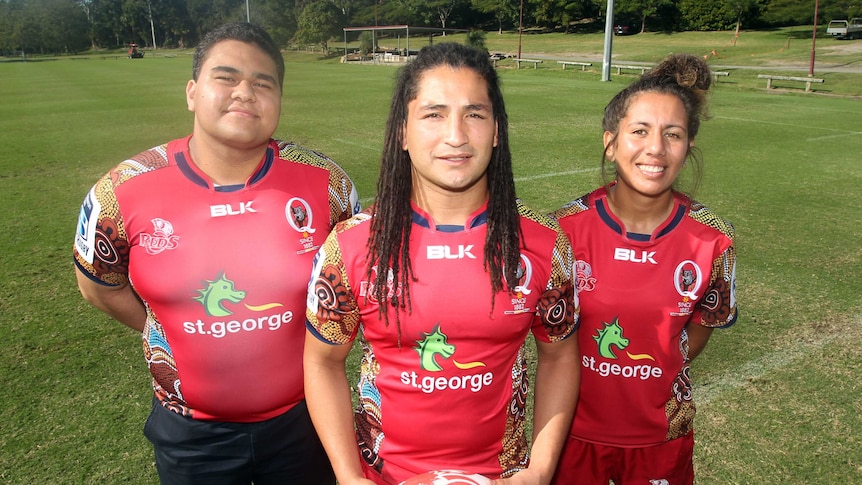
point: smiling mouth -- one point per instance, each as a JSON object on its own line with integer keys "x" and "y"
{"x": 455, "y": 158}
{"x": 651, "y": 168}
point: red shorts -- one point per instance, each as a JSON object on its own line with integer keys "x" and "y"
{"x": 586, "y": 463}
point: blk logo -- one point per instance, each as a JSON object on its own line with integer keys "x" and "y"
{"x": 223, "y": 210}
{"x": 625, "y": 254}
{"x": 446, "y": 252}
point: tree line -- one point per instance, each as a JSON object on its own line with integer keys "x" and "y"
{"x": 72, "y": 26}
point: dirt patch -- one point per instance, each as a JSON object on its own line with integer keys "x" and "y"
{"x": 847, "y": 48}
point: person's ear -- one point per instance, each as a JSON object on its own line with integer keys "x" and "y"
{"x": 610, "y": 151}
{"x": 191, "y": 89}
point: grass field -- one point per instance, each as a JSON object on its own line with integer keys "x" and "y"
{"x": 780, "y": 393}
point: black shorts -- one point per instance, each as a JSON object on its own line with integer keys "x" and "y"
{"x": 282, "y": 450}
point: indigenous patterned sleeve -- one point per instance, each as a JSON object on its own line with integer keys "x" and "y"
{"x": 558, "y": 308}
{"x": 343, "y": 198}
{"x": 718, "y": 305}
{"x": 101, "y": 243}
{"x": 332, "y": 314}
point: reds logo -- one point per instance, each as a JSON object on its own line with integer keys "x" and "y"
{"x": 584, "y": 272}
{"x": 367, "y": 289}
{"x": 162, "y": 238}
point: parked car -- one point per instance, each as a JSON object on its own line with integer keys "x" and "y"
{"x": 624, "y": 29}
{"x": 842, "y": 29}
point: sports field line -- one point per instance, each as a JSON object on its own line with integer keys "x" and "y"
{"x": 759, "y": 367}
{"x": 839, "y": 133}
{"x": 828, "y": 137}
{"x": 554, "y": 174}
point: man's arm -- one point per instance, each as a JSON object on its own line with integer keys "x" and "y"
{"x": 556, "y": 393}
{"x": 328, "y": 396}
{"x": 698, "y": 336}
{"x": 119, "y": 302}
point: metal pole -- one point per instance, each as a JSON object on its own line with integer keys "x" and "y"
{"x": 520, "y": 28}
{"x": 609, "y": 41}
{"x": 813, "y": 38}
{"x": 152, "y": 29}
{"x": 247, "y": 13}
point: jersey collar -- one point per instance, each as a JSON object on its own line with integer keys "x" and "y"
{"x": 476, "y": 219}
{"x": 178, "y": 152}
{"x": 681, "y": 204}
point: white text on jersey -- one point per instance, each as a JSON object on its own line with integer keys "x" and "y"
{"x": 625, "y": 254}
{"x": 223, "y": 210}
{"x": 445, "y": 252}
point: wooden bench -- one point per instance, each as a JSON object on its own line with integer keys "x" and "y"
{"x": 584, "y": 65}
{"x": 535, "y": 62}
{"x": 642, "y": 69}
{"x": 807, "y": 80}
{"x": 716, "y": 74}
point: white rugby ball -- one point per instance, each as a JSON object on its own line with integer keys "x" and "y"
{"x": 447, "y": 477}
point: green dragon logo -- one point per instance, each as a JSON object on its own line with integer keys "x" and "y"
{"x": 610, "y": 335}
{"x": 216, "y": 292}
{"x": 432, "y": 344}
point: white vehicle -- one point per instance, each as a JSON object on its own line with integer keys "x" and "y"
{"x": 843, "y": 29}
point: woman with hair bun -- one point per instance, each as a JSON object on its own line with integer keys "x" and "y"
{"x": 656, "y": 274}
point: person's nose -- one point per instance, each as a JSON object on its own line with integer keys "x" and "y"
{"x": 656, "y": 144}
{"x": 456, "y": 131}
{"x": 244, "y": 92}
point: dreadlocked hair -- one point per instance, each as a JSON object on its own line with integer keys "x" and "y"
{"x": 389, "y": 268}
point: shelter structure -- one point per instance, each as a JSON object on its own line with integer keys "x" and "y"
{"x": 401, "y": 31}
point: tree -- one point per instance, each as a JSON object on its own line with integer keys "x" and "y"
{"x": 318, "y": 23}
{"x": 740, "y": 8}
{"x": 366, "y": 43}
{"x": 503, "y": 10}
{"x": 280, "y": 18}
{"x": 476, "y": 38}
{"x": 434, "y": 11}
{"x": 643, "y": 9}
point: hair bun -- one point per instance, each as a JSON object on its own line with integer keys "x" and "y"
{"x": 686, "y": 70}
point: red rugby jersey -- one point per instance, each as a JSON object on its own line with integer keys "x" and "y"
{"x": 453, "y": 393}
{"x": 637, "y": 293}
{"x": 223, "y": 271}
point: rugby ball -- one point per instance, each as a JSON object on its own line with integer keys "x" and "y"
{"x": 447, "y": 477}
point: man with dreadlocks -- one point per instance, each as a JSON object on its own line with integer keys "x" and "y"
{"x": 442, "y": 279}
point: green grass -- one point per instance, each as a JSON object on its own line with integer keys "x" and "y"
{"x": 781, "y": 389}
